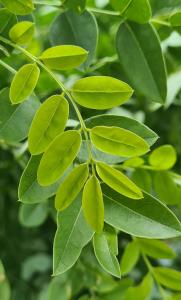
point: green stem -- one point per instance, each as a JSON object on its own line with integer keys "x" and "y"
{"x": 157, "y": 21}
{"x": 151, "y": 270}
{"x": 8, "y": 67}
{"x": 59, "y": 83}
{"x": 104, "y": 11}
{"x": 58, "y": 3}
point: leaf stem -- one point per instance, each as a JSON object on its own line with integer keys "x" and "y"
{"x": 59, "y": 83}
{"x": 104, "y": 11}
{"x": 151, "y": 270}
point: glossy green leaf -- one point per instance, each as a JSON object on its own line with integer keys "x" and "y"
{"x": 67, "y": 30}
{"x": 105, "y": 254}
{"x": 64, "y": 57}
{"x": 130, "y": 257}
{"x": 163, "y": 157}
{"x": 156, "y": 249}
{"x": 118, "y": 141}
{"x": 168, "y": 277}
{"x": 139, "y": 11}
{"x": 49, "y": 121}
{"x": 29, "y": 190}
{"x": 33, "y": 215}
{"x": 120, "y": 6}
{"x": 142, "y": 291}
{"x": 15, "y": 120}
{"x": 118, "y": 181}
{"x": 92, "y": 204}
{"x": 22, "y": 32}
{"x": 123, "y": 122}
{"x": 71, "y": 187}
{"x": 100, "y": 92}
{"x": 24, "y": 82}
{"x": 19, "y": 7}
{"x": 140, "y": 45}
{"x": 148, "y": 217}
{"x": 7, "y": 20}
{"x": 142, "y": 178}
{"x": 58, "y": 157}
{"x": 72, "y": 235}
{"x": 166, "y": 188}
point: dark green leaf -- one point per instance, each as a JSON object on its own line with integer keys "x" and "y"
{"x": 72, "y": 235}
{"x": 147, "y": 217}
{"x": 70, "y": 28}
{"x": 140, "y": 45}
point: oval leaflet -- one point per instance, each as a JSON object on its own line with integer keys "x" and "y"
{"x": 58, "y": 157}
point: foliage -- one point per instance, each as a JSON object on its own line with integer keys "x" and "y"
{"x": 89, "y": 165}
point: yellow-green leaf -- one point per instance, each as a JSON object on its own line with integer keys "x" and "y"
{"x": 156, "y": 248}
{"x": 49, "y": 121}
{"x": 101, "y": 92}
{"x": 64, "y": 57}
{"x": 24, "y": 82}
{"x": 168, "y": 277}
{"x": 118, "y": 181}
{"x": 175, "y": 19}
{"x": 118, "y": 141}
{"x": 92, "y": 204}
{"x": 130, "y": 257}
{"x": 163, "y": 157}
{"x": 19, "y": 7}
{"x": 22, "y": 32}
{"x": 71, "y": 187}
{"x": 58, "y": 157}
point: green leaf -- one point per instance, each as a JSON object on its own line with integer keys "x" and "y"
{"x": 92, "y": 204}
{"x": 24, "y": 82}
{"x": 29, "y": 190}
{"x": 103, "y": 249}
{"x": 58, "y": 157}
{"x": 22, "y": 32}
{"x": 156, "y": 249}
{"x": 168, "y": 277}
{"x": 130, "y": 257}
{"x": 64, "y": 57}
{"x": 140, "y": 45}
{"x": 134, "y": 162}
{"x": 123, "y": 122}
{"x": 163, "y": 157}
{"x": 78, "y": 5}
{"x": 70, "y": 28}
{"x": 19, "y": 7}
{"x": 100, "y": 92}
{"x": 120, "y": 6}
{"x": 139, "y": 11}
{"x": 118, "y": 181}
{"x": 71, "y": 187}
{"x": 142, "y": 178}
{"x": 15, "y": 120}
{"x": 166, "y": 188}
{"x": 5, "y": 291}
{"x": 49, "y": 121}
{"x": 175, "y": 19}
{"x": 148, "y": 217}
{"x": 72, "y": 235}
{"x": 142, "y": 291}
{"x": 118, "y": 141}
{"x": 7, "y": 20}
{"x": 33, "y": 215}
